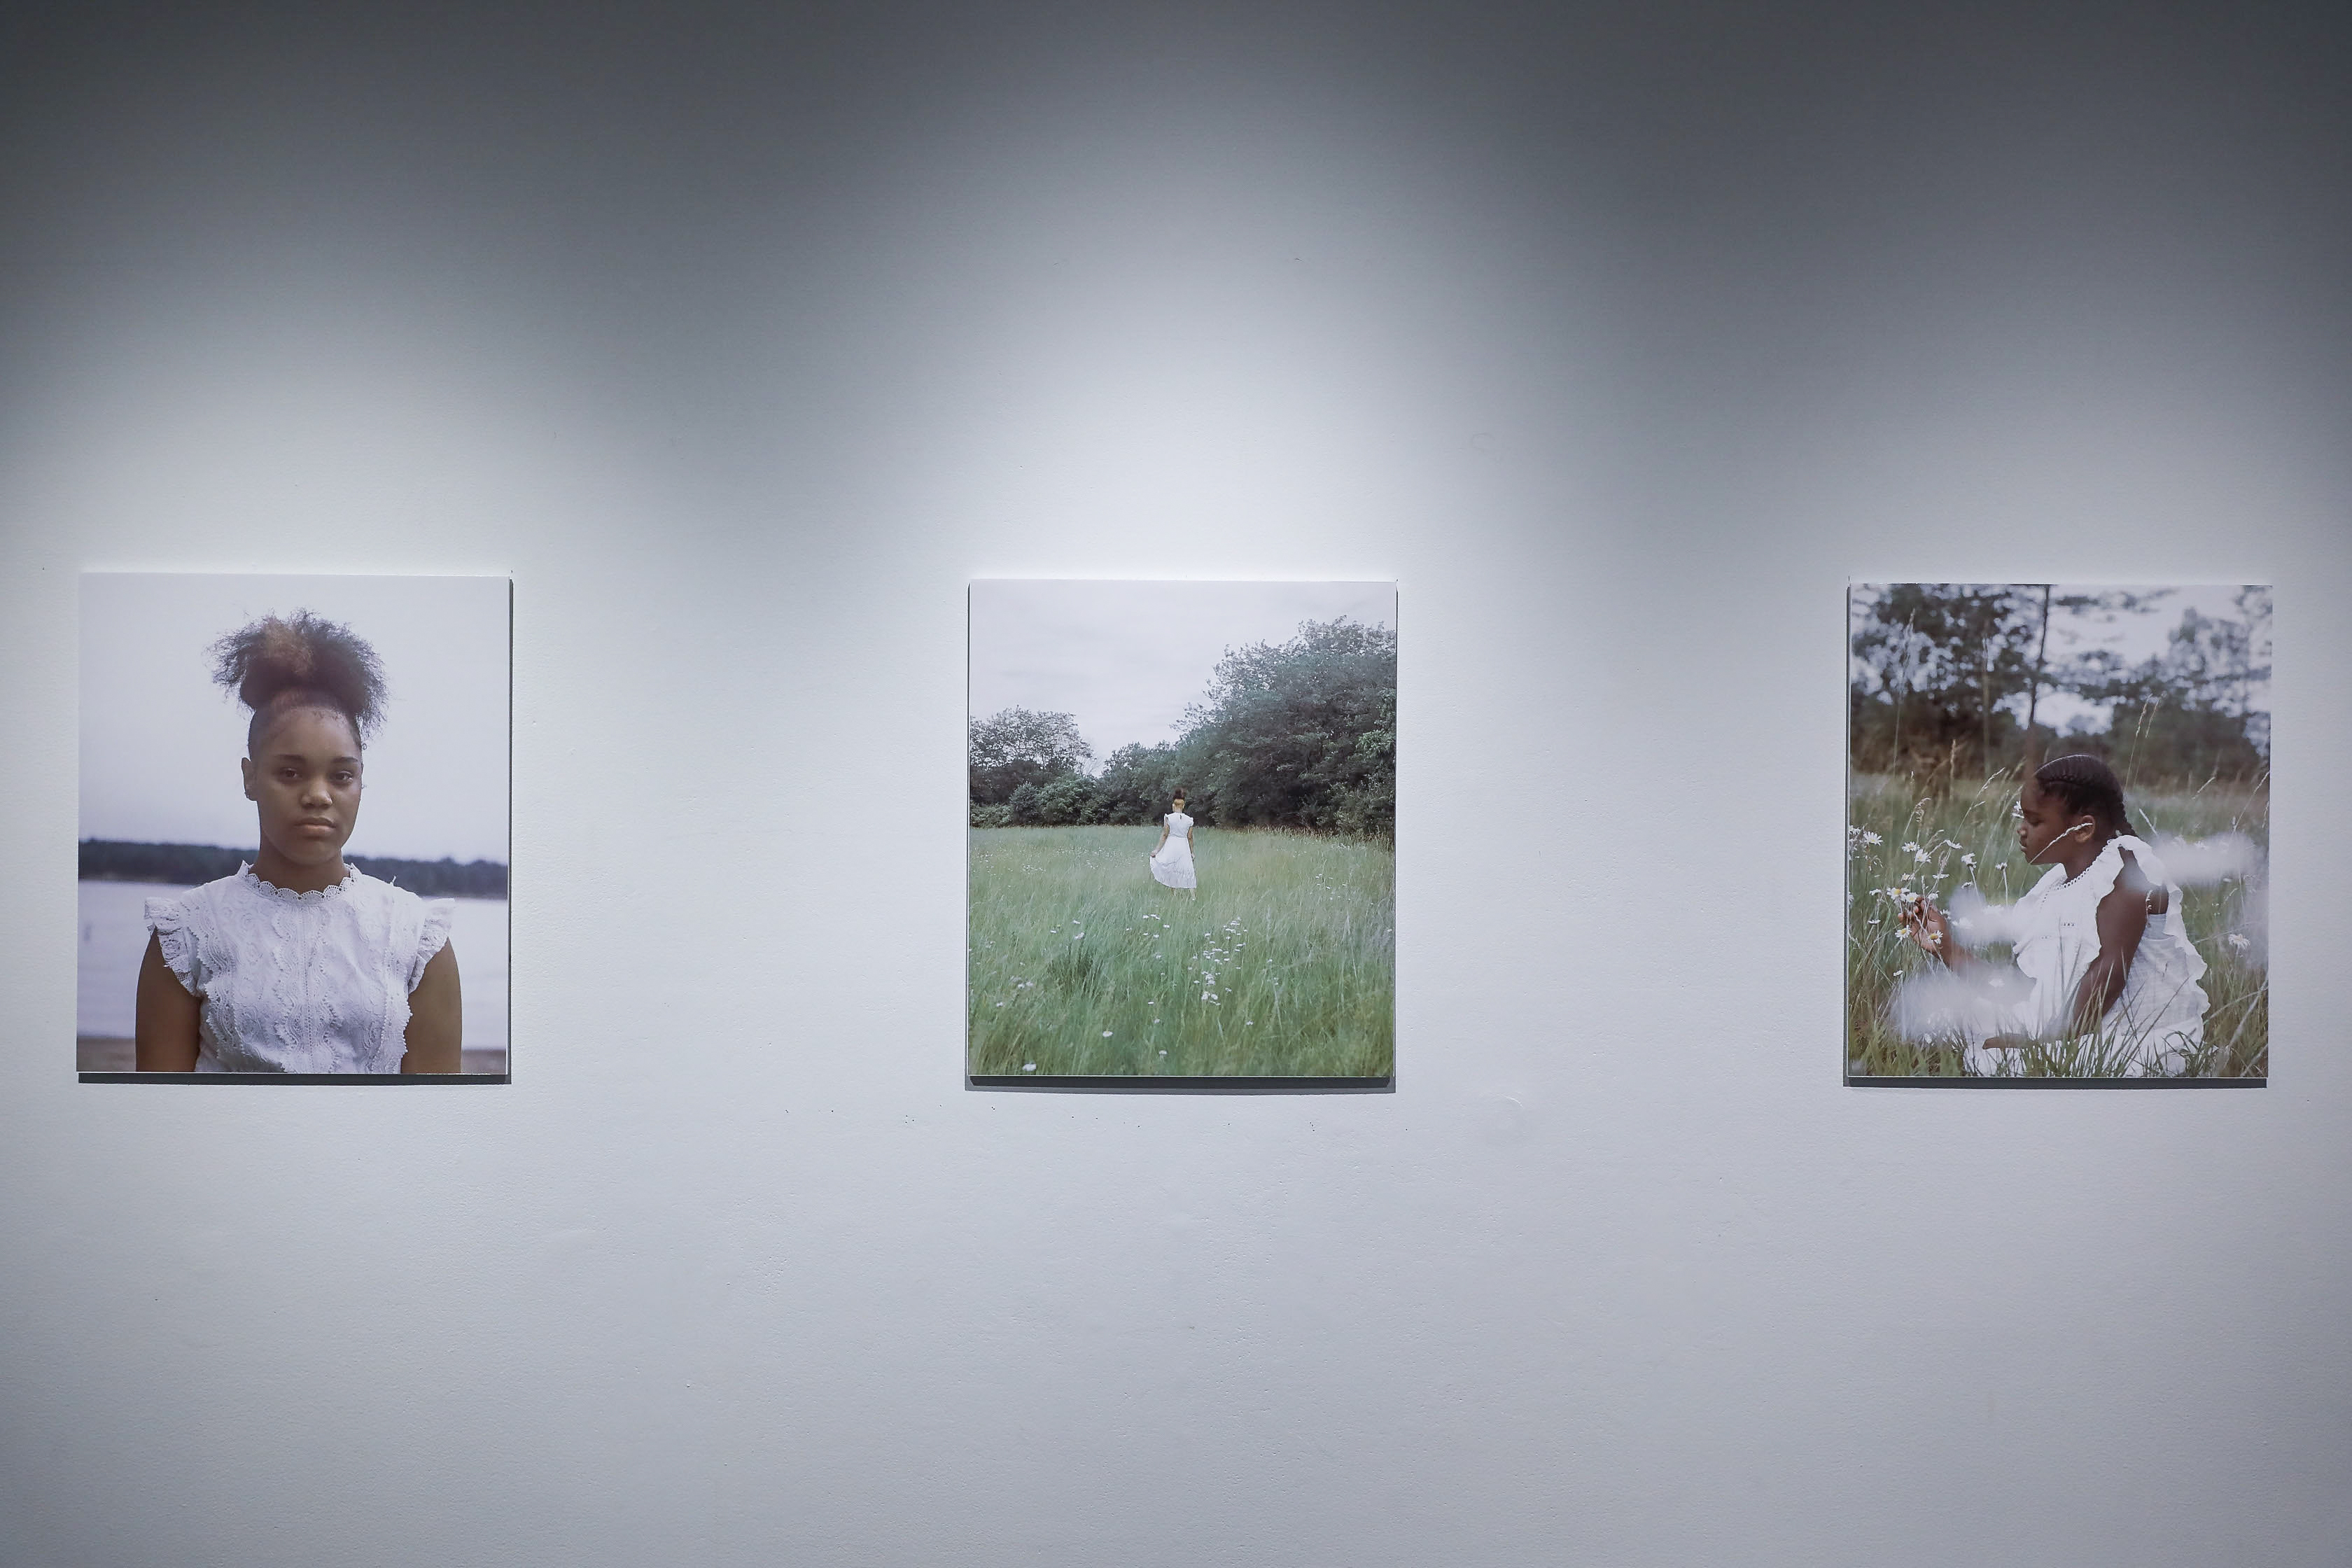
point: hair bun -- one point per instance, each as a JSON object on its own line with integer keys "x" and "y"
{"x": 277, "y": 661}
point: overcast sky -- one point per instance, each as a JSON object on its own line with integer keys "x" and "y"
{"x": 1126, "y": 658}
{"x": 160, "y": 743}
{"x": 2133, "y": 637}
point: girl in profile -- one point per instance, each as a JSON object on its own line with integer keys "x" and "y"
{"x": 2099, "y": 939}
{"x": 1172, "y": 858}
{"x": 299, "y": 962}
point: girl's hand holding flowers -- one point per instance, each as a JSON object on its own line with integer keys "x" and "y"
{"x": 1923, "y": 923}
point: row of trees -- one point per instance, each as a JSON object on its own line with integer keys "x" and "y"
{"x": 1953, "y": 676}
{"x": 187, "y": 865}
{"x": 1299, "y": 734}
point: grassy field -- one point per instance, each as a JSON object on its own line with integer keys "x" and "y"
{"x": 1282, "y": 965}
{"x": 1965, "y": 834}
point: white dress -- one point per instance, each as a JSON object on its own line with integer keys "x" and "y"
{"x": 2158, "y": 1018}
{"x": 299, "y": 982}
{"x": 1173, "y": 867}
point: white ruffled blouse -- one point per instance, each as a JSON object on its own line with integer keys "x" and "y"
{"x": 299, "y": 982}
{"x": 2160, "y": 1014}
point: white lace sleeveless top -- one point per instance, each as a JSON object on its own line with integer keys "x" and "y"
{"x": 299, "y": 982}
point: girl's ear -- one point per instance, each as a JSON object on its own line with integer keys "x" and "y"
{"x": 244, "y": 767}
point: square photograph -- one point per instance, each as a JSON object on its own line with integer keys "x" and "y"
{"x": 294, "y": 826}
{"x": 1182, "y": 810}
{"x": 2058, "y": 833}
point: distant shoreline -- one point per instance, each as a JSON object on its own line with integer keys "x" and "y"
{"x": 192, "y": 865}
{"x": 176, "y": 882}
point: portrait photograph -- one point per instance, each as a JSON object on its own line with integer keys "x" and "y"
{"x": 2058, "y": 833}
{"x": 294, "y": 816}
{"x": 1183, "y": 854}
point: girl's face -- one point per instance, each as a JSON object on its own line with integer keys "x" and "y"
{"x": 306, "y": 783}
{"x": 2045, "y": 830}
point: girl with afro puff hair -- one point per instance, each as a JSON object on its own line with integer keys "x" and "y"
{"x": 299, "y": 963}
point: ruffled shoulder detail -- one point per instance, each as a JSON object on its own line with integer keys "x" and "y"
{"x": 2151, "y": 866}
{"x": 2098, "y": 879}
{"x": 168, "y": 919}
{"x": 432, "y": 936}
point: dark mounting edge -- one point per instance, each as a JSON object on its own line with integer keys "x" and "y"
{"x": 1853, "y": 1082}
{"x": 297, "y": 1077}
{"x": 1143, "y": 1083}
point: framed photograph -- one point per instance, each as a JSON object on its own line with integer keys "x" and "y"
{"x": 294, "y": 829}
{"x": 2057, "y": 835}
{"x": 1182, "y": 809}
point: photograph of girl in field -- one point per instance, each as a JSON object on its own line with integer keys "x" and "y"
{"x": 232, "y": 727}
{"x": 1182, "y": 809}
{"x": 2058, "y": 832}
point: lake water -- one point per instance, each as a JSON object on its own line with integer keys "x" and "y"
{"x": 114, "y": 938}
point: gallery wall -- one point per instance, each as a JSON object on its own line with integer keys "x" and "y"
{"x": 1620, "y": 339}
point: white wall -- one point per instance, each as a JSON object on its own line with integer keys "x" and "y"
{"x": 1620, "y": 338}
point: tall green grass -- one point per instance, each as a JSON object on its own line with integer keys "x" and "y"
{"x": 1282, "y": 965}
{"x": 1964, "y": 832}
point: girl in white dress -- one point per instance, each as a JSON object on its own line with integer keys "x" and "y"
{"x": 299, "y": 963}
{"x": 1172, "y": 858}
{"x": 2099, "y": 939}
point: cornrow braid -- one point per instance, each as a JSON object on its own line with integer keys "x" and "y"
{"x": 2086, "y": 785}
{"x": 279, "y": 663}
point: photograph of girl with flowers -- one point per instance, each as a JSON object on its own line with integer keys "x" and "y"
{"x": 1182, "y": 809}
{"x": 2058, "y": 833}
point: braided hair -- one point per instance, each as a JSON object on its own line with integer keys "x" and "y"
{"x": 279, "y": 664}
{"x": 2086, "y": 785}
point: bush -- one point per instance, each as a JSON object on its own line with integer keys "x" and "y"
{"x": 1065, "y": 802}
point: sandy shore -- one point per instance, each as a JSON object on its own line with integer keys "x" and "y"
{"x": 97, "y": 1053}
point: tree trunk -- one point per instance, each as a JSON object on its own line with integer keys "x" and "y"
{"x": 1984, "y": 702}
{"x": 2033, "y": 692}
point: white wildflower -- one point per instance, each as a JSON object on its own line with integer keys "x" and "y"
{"x": 1028, "y": 1067}
{"x": 1106, "y": 1034}
{"x": 2238, "y": 940}
{"x": 1910, "y": 849}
